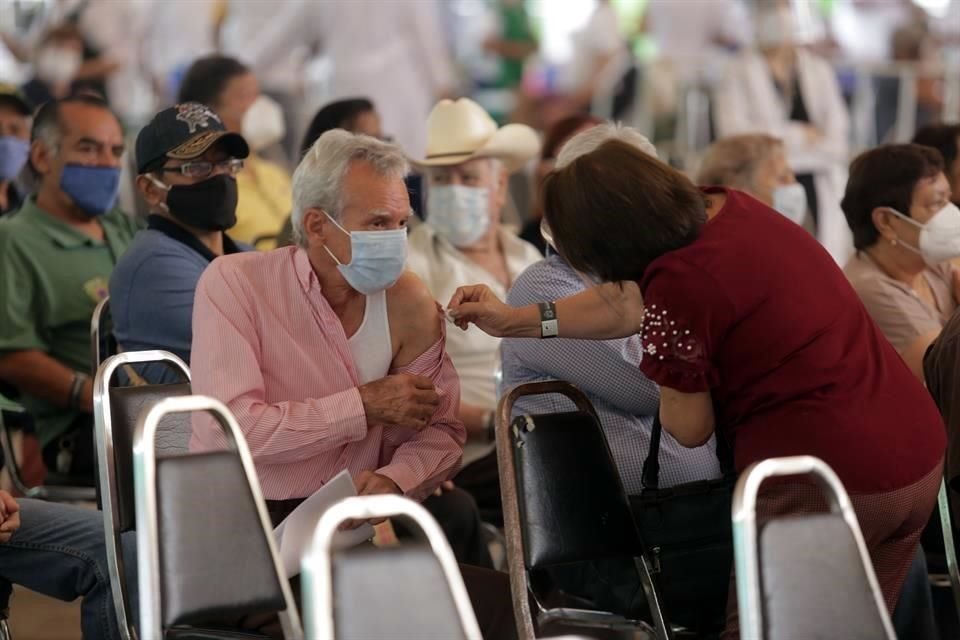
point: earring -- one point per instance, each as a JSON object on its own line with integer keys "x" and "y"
{"x": 893, "y": 241}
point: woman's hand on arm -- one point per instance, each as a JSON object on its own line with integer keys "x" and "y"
{"x": 602, "y": 312}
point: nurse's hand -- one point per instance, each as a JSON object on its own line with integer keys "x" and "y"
{"x": 477, "y": 304}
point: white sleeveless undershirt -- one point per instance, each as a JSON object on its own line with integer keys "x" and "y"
{"x": 371, "y": 345}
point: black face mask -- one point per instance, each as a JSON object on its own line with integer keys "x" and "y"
{"x": 210, "y": 205}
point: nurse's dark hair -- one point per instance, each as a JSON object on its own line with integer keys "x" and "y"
{"x": 615, "y": 210}
{"x": 341, "y": 114}
{"x": 885, "y": 176}
{"x": 207, "y": 78}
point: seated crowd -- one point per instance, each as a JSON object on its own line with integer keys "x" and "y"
{"x": 373, "y": 341}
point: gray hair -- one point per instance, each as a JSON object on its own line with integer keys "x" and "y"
{"x": 318, "y": 180}
{"x": 733, "y": 161}
{"x": 589, "y": 140}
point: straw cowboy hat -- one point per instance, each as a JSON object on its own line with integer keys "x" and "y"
{"x": 462, "y": 130}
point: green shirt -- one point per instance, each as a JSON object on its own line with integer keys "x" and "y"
{"x": 51, "y": 278}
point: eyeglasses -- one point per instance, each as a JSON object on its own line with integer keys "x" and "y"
{"x": 204, "y": 168}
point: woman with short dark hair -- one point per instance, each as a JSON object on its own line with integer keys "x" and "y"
{"x": 905, "y": 229}
{"x": 749, "y": 328}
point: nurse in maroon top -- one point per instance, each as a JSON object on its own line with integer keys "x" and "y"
{"x": 750, "y": 329}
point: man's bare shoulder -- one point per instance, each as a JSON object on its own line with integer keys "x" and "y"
{"x": 415, "y": 316}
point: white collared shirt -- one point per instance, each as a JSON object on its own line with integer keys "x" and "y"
{"x": 476, "y": 356}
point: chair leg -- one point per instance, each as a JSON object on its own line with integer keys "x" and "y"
{"x": 5, "y": 629}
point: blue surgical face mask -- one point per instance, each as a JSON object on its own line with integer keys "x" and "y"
{"x": 458, "y": 213}
{"x": 377, "y": 258}
{"x": 13, "y": 155}
{"x": 93, "y": 189}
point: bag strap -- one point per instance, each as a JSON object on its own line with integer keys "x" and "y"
{"x": 650, "y": 476}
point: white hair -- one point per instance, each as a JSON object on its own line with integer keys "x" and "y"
{"x": 590, "y": 139}
{"x": 318, "y": 180}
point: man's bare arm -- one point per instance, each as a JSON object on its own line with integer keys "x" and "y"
{"x": 35, "y": 373}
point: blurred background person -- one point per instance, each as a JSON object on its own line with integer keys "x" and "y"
{"x": 787, "y": 92}
{"x": 906, "y": 230}
{"x": 401, "y": 62}
{"x": 755, "y": 163}
{"x": 356, "y": 115}
{"x": 56, "y": 64}
{"x": 945, "y": 138}
{"x": 264, "y": 189}
{"x": 15, "y": 112}
{"x": 558, "y": 134}
{"x": 512, "y": 42}
{"x": 466, "y": 166}
{"x": 243, "y": 28}
{"x": 179, "y": 33}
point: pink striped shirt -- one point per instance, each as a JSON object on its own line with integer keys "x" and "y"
{"x": 268, "y": 345}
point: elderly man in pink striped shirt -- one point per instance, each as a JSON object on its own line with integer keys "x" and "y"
{"x": 330, "y": 355}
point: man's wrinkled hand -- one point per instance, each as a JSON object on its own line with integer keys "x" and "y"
{"x": 400, "y": 400}
{"x": 372, "y": 484}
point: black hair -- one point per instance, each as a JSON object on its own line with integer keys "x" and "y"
{"x": 341, "y": 114}
{"x": 943, "y": 138}
{"x": 885, "y": 177}
{"x": 207, "y": 78}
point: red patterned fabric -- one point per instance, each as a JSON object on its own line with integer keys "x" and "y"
{"x": 756, "y": 312}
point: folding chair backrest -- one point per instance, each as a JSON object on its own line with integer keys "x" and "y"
{"x": 103, "y": 344}
{"x": 214, "y": 560}
{"x": 572, "y": 505}
{"x": 364, "y": 592}
{"x": 126, "y": 405}
{"x": 806, "y": 575}
{"x": 414, "y": 598}
{"x": 206, "y": 548}
{"x": 115, "y": 412}
{"x": 814, "y": 579}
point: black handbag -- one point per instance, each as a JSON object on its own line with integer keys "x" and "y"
{"x": 689, "y": 538}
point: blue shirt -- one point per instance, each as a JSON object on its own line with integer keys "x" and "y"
{"x": 152, "y": 289}
{"x": 609, "y": 373}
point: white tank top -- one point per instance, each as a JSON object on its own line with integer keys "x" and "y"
{"x": 371, "y": 345}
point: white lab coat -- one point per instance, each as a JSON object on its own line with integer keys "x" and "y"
{"x": 390, "y": 52}
{"x": 746, "y": 101}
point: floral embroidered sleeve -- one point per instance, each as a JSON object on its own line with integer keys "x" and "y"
{"x": 686, "y": 313}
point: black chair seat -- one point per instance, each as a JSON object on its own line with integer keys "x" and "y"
{"x": 212, "y": 633}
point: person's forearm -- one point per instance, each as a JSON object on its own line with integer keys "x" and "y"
{"x": 476, "y": 420}
{"x": 37, "y": 374}
{"x": 603, "y": 312}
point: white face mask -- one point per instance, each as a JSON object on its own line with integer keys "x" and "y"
{"x": 377, "y": 258}
{"x": 57, "y": 65}
{"x": 263, "y": 124}
{"x": 459, "y": 214}
{"x": 547, "y": 234}
{"x": 791, "y": 201}
{"x": 939, "y": 237}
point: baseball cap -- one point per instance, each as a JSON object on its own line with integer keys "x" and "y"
{"x": 12, "y": 95}
{"x": 183, "y": 132}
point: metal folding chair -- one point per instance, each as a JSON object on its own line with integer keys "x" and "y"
{"x": 949, "y": 542}
{"x": 213, "y": 553}
{"x": 808, "y": 575}
{"x": 102, "y": 342}
{"x": 563, "y": 502}
{"x": 115, "y": 413}
{"x": 366, "y": 592}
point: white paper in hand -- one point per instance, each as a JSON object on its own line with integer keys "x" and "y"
{"x": 294, "y": 534}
